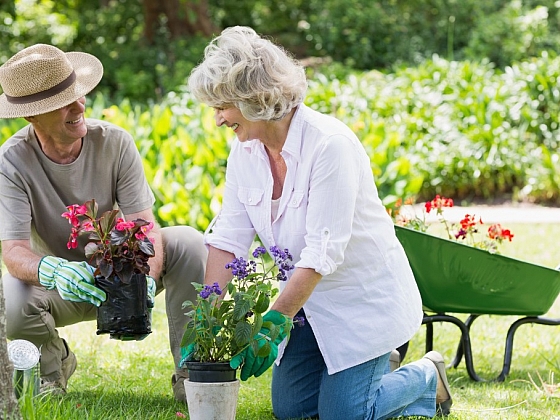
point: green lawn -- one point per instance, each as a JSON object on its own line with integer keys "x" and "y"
{"x": 131, "y": 380}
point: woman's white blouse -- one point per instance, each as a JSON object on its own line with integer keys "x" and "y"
{"x": 331, "y": 219}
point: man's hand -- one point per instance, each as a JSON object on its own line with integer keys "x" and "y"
{"x": 276, "y": 327}
{"x": 73, "y": 280}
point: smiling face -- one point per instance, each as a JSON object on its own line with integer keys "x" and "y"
{"x": 243, "y": 128}
{"x": 63, "y": 126}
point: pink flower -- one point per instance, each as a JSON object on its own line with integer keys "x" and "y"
{"x": 73, "y": 212}
{"x": 87, "y": 226}
{"x": 123, "y": 224}
{"x": 73, "y": 240}
{"x": 145, "y": 229}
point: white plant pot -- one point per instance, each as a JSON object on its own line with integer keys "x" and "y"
{"x": 212, "y": 400}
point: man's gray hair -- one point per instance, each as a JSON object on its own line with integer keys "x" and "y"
{"x": 242, "y": 69}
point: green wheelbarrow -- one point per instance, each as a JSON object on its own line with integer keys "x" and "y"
{"x": 456, "y": 278}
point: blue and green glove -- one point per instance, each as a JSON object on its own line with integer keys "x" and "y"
{"x": 73, "y": 280}
{"x": 275, "y": 324}
{"x": 151, "y": 285}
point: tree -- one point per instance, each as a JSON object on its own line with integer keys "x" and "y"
{"x": 182, "y": 18}
{"x": 9, "y": 408}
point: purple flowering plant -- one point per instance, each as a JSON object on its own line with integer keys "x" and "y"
{"x": 224, "y": 322}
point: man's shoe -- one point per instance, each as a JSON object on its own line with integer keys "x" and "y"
{"x": 178, "y": 384}
{"x": 394, "y": 360}
{"x": 443, "y": 393}
{"x": 58, "y": 387}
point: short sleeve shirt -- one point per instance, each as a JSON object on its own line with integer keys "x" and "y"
{"x": 34, "y": 191}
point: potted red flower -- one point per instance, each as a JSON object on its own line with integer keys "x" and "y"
{"x": 119, "y": 250}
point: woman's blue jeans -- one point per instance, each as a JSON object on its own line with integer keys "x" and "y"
{"x": 302, "y": 389}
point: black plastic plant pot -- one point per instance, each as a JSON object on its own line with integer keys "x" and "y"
{"x": 208, "y": 372}
{"x": 125, "y": 315}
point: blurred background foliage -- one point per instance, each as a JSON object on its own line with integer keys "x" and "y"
{"x": 148, "y": 47}
{"x": 452, "y": 97}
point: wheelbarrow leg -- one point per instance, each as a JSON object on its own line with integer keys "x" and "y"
{"x": 508, "y": 353}
{"x": 459, "y": 354}
{"x": 429, "y": 336}
{"x": 465, "y": 339}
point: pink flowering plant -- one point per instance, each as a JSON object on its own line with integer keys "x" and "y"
{"x": 225, "y": 322}
{"x": 470, "y": 230}
{"x": 115, "y": 246}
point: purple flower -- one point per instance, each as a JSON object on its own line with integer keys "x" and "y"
{"x": 462, "y": 234}
{"x": 261, "y": 250}
{"x": 283, "y": 260}
{"x": 241, "y": 268}
{"x": 208, "y": 290}
{"x": 299, "y": 320}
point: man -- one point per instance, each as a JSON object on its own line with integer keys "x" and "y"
{"x": 58, "y": 160}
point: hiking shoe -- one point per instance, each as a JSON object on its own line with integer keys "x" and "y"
{"x": 443, "y": 393}
{"x": 178, "y": 384}
{"x": 394, "y": 360}
{"x": 58, "y": 387}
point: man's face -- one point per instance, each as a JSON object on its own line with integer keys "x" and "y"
{"x": 64, "y": 125}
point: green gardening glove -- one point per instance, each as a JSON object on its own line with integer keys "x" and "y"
{"x": 187, "y": 354}
{"x": 275, "y": 328}
{"x": 73, "y": 280}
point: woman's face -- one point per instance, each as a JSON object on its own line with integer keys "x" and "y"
{"x": 243, "y": 128}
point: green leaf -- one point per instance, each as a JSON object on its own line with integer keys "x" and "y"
{"x": 241, "y": 308}
{"x": 108, "y": 220}
{"x": 189, "y": 335}
{"x": 91, "y": 249}
{"x": 187, "y": 304}
{"x": 265, "y": 349}
{"x": 262, "y": 303}
{"x": 257, "y": 324}
{"x": 243, "y": 333}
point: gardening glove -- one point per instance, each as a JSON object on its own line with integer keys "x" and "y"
{"x": 256, "y": 364}
{"x": 151, "y": 284}
{"x": 187, "y": 354}
{"x": 73, "y": 280}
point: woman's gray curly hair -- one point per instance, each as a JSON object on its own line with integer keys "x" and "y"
{"x": 242, "y": 69}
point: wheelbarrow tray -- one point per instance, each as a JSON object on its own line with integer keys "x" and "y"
{"x": 453, "y": 277}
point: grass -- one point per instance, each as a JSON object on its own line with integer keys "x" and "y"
{"x": 131, "y": 380}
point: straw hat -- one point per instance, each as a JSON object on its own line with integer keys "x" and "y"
{"x": 42, "y": 78}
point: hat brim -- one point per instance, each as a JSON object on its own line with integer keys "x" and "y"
{"x": 89, "y": 72}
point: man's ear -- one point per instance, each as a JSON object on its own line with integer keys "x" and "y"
{"x": 29, "y": 119}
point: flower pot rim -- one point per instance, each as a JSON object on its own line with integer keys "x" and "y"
{"x": 210, "y": 372}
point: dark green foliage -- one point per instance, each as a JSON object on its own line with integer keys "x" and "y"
{"x": 359, "y": 34}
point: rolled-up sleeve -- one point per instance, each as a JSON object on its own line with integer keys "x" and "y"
{"x": 333, "y": 191}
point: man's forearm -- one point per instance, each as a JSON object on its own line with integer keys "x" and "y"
{"x": 21, "y": 261}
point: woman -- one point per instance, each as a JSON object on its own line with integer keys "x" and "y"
{"x": 302, "y": 181}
